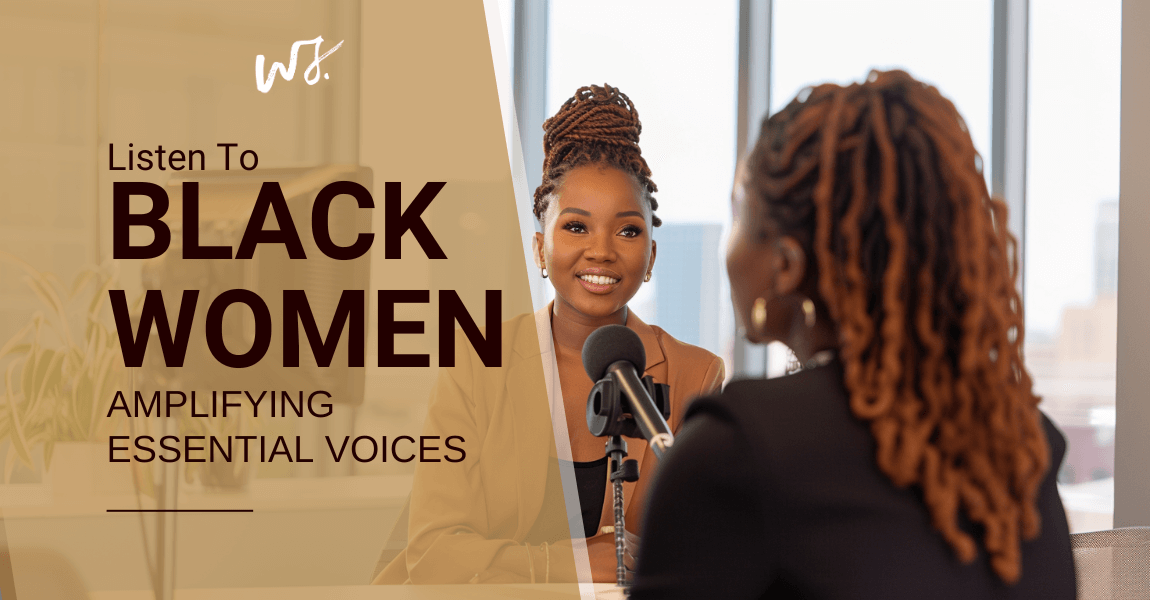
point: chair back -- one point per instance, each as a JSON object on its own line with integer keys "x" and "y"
{"x": 1113, "y": 564}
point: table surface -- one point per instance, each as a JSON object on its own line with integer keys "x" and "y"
{"x": 387, "y": 592}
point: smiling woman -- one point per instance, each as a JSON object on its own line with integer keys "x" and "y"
{"x": 476, "y": 521}
{"x": 597, "y": 210}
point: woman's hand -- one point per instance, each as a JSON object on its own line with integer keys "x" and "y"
{"x": 601, "y": 551}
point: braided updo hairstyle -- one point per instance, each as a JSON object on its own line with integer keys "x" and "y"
{"x": 598, "y": 125}
{"x": 881, "y": 184}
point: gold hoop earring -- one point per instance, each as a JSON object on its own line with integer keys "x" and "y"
{"x": 543, "y": 272}
{"x": 793, "y": 364}
{"x": 759, "y": 314}
{"x": 809, "y": 312}
{"x": 647, "y": 277}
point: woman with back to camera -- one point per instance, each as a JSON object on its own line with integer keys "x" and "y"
{"x": 596, "y": 209}
{"x": 907, "y": 458}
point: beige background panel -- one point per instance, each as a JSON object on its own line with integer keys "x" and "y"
{"x": 411, "y": 98}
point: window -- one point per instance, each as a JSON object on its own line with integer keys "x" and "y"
{"x": 679, "y": 65}
{"x": 946, "y": 44}
{"x": 503, "y": 37}
{"x": 1072, "y": 241}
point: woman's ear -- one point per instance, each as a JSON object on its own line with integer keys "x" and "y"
{"x": 537, "y": 249}
{"x": 651, "y": 263}
{"x": 790, "y": 265}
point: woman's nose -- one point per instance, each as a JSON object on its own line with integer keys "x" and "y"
{"x": 600, "y": 248}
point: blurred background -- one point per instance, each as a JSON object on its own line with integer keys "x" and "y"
{"x": 1037, "y": 83}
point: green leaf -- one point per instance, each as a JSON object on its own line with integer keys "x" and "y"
{"x": 99, "y": 297}
{"x": 49, "y": 449}
{"x": 105, "y": 385}
{"x": 49, "y": 384}
{"x": 9, "y": 465}
{"x": 48, "y": 378}
{"x": 47, "y": 361}
{"x": 53, "y": 282}
{"x": 19, "y": 442}
{"x": 82, "y": 279}
{"x": 16, "y": 349}
{"x": 81, "y": 394}
{"x": 39, "y": 437}
{"x": 48, "y": 296}
{"x": 27, "y": 387}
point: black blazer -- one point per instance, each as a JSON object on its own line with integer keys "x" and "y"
{"x": 771, "y": 491}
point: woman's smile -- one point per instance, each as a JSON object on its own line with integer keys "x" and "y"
{"x": 598, "y": 281}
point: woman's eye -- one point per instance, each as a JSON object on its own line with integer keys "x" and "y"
{"x": 575, "y": 227}
{"x": 631, "y": 231}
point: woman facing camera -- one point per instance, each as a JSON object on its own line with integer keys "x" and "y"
{"x": 597, "y": 213}
{"x": 535, "y": 504}
{"x": 907, "y": 458}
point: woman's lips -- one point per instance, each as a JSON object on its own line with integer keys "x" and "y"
{"x": 597, "y": 284}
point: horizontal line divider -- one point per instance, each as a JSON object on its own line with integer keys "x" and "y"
{"x": 181, "y": 510}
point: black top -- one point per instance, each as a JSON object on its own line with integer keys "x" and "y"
{"x": 591, "y": 481}
{"x": 771, "y": 491}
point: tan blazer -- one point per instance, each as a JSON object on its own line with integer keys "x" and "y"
{"x": 468, "y": 520}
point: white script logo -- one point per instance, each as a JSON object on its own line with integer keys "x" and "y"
{"x": 265, "y": 85}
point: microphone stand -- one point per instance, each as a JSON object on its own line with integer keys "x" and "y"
{"x": 608, "y": 416}
{"x": 622, "y": 469}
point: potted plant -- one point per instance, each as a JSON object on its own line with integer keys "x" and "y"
{"x": 60, "y": 372}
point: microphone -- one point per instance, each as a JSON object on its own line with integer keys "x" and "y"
{"x": 613, "y": 356}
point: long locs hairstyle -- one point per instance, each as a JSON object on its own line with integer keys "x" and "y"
{"x": 881, "y": 182}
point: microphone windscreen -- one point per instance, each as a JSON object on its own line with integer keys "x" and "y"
{"x": 611, "y": 344}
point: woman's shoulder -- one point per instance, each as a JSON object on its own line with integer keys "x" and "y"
{"x": 518, "y": 339}
{"x": 681, "y": 355}
{"x": 814, "y": 398}
{"x": 690, "y": 370}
